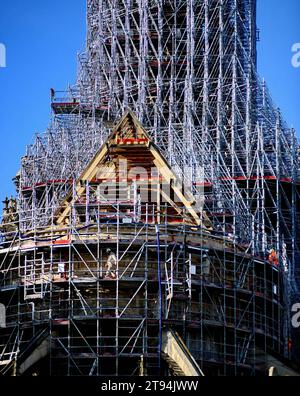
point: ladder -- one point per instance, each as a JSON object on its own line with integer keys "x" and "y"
{"x": 35, "y": 280}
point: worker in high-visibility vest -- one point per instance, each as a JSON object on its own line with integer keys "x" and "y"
{"x": 273, "y": 257}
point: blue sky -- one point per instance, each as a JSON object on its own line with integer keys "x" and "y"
{"x": 43, "y": 37}
{"x": 279, "y": 25}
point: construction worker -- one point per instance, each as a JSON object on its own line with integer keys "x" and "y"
{"x": 111, "y": 265}
{"x": 273, "y": 258}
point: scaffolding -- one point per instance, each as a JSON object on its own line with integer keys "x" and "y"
{"x": 224, "y": 302}
{"x": 187, "y": 70}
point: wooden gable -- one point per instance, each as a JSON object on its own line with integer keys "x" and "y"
{"x": 130, "y": 144}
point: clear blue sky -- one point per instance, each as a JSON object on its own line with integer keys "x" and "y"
{"x": 43, "y": 37}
